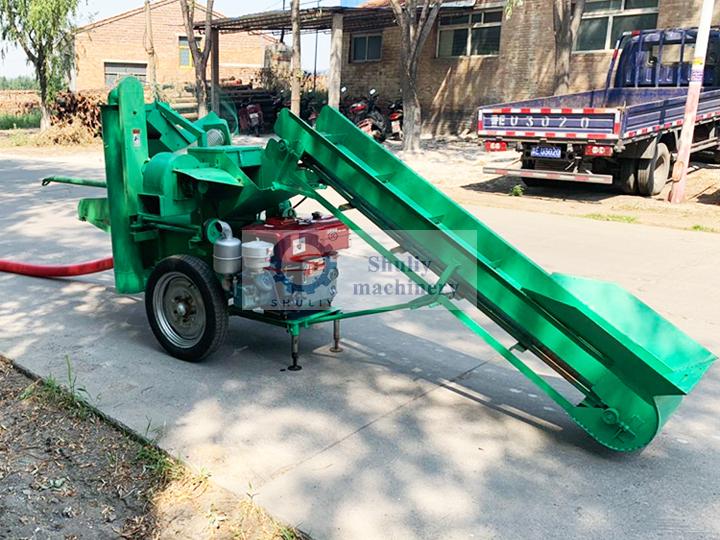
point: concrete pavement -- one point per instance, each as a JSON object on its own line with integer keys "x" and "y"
{"x": 417, "y": 430}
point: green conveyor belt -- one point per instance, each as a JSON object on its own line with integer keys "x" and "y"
{"x": 632, "y": 365}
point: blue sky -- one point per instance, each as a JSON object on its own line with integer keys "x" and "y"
{"x": 15, "y": 63}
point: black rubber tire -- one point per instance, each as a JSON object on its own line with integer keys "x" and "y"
{"x": 215, "y": 303}
{"x": 627, "y": 176}
{"x": 652, "y": 179}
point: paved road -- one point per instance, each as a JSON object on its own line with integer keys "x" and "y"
{"x": 417, "y": 430}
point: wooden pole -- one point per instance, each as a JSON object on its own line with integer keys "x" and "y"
{"x": 150, "y": 49}
{"x": 679, "y": 177}
{"x": 334, "y": 77}
{"x": 296, "y": 66}
{"x": 215, "y": 71}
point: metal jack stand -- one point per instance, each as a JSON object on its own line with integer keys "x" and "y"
{"x": 294, "y": 347}
{"x": 336, "y": 348}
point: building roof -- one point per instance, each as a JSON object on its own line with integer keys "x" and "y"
{"x": 311, "y": 19}
{"x": 136, "y": 11}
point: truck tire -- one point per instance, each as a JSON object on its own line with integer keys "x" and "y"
{"x": 627, "y": 176}
{"x": 653, "y": 174}
{"x": 186, "y": 307}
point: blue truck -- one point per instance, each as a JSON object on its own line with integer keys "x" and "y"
{"x": 625, "y": 134}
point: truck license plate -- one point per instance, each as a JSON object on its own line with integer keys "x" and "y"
{"x": 548, "y": 152}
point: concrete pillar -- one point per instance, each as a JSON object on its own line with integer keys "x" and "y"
{"x": 215, "y": 71}
{"x": 335, "y": 75}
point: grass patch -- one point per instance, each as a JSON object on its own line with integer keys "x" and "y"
{"x": 617, "y": 218}
{"x": 71, "y": 396}
{"x": 702, "y": 228}
{"x": 518, "y": 190}
{"x": 24, "y": 121}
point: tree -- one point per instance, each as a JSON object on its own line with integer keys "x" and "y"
{"x": 43, "y": 30}
{"x": 567, "y": 15}
{"x": 414, "y": 30}
{"x": 199, "y": 56}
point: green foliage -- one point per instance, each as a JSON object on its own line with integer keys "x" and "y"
{"x": 24, "y": 121}
{"x": 18, "y": 83}
{"x": 69, "y": 396}
{"x": 703, "y": 228}
{"x": 618, "y": 218}
{"x": 510, "y": 5}
{"x": 518, "y": 190}
{"x": 43, "y": 30}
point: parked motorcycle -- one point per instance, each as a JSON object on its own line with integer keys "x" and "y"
{"x": 366, "y": 115}
{"x": 251, "y": 115}
{"x": 396, "y": 116}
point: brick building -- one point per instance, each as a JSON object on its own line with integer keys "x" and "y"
{"x": 114, "y": 47}
{"x": 475, "y": 56}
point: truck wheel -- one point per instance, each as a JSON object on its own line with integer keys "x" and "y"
{"x": 627, "y": 176}
{"x": 186, "y": 307}
{"x": 652, "y": 179}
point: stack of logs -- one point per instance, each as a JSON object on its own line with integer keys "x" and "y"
{"x": 78, "y": 108}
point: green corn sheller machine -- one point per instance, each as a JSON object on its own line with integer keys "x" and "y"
{"x": 171, "y": 188}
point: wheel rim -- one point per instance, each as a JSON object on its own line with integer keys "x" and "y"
{"x": 179, "y": 310}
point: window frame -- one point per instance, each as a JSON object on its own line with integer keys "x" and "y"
{"x": 118, "y": 75}
{"x": 186, "y": 47}
{"x": 366, "y": 36}
{"x": 469, "y": 26}
{"x": 610, "y": 15}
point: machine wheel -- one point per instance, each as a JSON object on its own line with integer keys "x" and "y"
{"x": 651, "y": 180}
{"x": 186, "y": 307}
{"x": 627, "y": 176}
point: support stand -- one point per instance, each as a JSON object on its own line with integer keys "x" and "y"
{"x": 336, "y": 348}
{"x": 294, "y": 351}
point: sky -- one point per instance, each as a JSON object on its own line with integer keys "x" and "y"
{"x": 15, "y": 63}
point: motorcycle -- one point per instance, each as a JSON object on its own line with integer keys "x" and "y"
{"x": 366, "y": 115}
{"x": 255, "y": 118}
{"x": 396, "y": 116}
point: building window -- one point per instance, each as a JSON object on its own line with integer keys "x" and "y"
{"x": 114, "y": 71}
{"x": 184, "y": 50}
{"x": 472, "y": 34}
{"x": 604, "y": 21}
{"x": 366, "y": 48}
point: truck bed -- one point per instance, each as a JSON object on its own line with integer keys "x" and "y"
{"x": 616, "y": 114}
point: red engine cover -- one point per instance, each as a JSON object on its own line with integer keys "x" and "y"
{"x": 301, "y": 239}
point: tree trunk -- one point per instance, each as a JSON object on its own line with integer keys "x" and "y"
{"x": 295, "y": 82}
{"x": 41, "y": 74}
{"x": 412, "y": 120}
{"x": 201, "y": 93}
{"x": 199, "y": 58}
{"x": 567, "y": 16}
{"x": 44, "y": 116}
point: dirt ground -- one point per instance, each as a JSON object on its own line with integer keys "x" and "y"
{"x": 455, "y": 166}
{"x": 67, "y": 473}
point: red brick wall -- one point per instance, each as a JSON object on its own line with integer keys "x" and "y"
{"x": 121, "y": 39}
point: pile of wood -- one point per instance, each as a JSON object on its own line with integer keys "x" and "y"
{"x": 18, "y": 102}
{"x": 78, "y": 108}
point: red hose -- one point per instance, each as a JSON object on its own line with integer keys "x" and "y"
{"x": 68, "y": 270}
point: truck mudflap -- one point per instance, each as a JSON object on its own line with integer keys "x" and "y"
{"x": 588, "y": 178}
